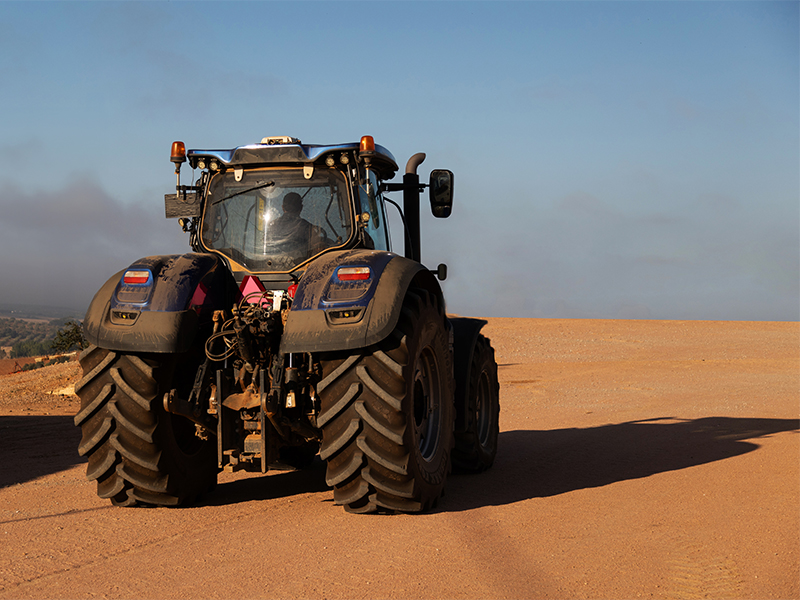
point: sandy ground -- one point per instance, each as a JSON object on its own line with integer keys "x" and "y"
{"x": 649, "y": 459}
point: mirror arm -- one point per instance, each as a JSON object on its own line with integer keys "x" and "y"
{"x": 399, "y": 187}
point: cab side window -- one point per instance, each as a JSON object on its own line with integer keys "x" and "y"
{"x": 372, "y": 204}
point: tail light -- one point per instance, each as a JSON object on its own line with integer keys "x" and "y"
{"x": 353, "y": 273}
{"x": 136, "y": 277}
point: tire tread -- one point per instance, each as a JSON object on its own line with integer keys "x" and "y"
{"x": 129, "y": 439}
{"x": 364, "y": 416}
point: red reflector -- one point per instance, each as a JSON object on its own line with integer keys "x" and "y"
{"x": 353, "y": 273}
{"x": 292, "y": 290}
{"x": 136, "y": 277}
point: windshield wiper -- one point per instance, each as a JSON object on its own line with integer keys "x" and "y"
{"x": 252, "y": 189}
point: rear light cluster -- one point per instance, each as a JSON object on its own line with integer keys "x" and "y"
{"x": 348, "y": 285}
{"x": 136, "y": 277}
{"x": 353, "y": 273}
{"x": 135, "y": 288}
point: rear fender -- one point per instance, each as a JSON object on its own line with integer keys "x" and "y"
{"x": 329, "y": 314}
{"x": 164, "y": 313}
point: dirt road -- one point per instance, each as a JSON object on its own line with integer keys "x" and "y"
{"x": 647, "y": 459}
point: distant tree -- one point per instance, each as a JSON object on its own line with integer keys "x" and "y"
{"x": 30, "y": 348}
{"x": 69, "y": 338}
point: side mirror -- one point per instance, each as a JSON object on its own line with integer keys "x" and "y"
{"x": 441, "y": 192}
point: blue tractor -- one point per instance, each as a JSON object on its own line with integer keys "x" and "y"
{"x": 292, "y": 330}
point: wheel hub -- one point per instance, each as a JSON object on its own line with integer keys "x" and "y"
{"x": 427, "y": 413}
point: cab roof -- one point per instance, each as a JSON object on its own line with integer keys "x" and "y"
{"x": 291, "y": 151}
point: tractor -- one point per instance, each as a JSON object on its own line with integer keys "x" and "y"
{"x": 290, "y": 332}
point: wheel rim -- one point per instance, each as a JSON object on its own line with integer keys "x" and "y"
{"x": 483, "y": 409}
{"x": 427, "y": 408}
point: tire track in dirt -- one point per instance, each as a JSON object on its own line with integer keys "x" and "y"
{"x": 694, "y": 575}
{"x": 13, "y": 582}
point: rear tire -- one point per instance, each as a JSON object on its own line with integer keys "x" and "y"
{"x": 476, "y": 445}
{"x": 387, "y": 414}
{"x": 138, "y": 453}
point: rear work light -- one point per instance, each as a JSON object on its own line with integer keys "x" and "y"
{"x": 136, "y": 277}
{"x": 353, "y": 273}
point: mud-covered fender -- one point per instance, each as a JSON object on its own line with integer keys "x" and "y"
{"x": 465, "y": 334}
{"x": 330, "y": 313}
{"x": 163, "y": 313}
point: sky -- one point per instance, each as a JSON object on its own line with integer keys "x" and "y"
{"x": 611, "y": 159}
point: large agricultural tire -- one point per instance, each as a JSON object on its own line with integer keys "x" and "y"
{"x": 387, "y": 415}
{"x": 138, "y": 453}
{"x": 476, "y": 445}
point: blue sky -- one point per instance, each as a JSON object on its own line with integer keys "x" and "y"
{"x": 612, "y": 159}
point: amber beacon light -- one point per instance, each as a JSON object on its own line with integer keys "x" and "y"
{"x": 178, "y": 153}
{"x": 178, "y": 157}
{"x": 367, "y": 144}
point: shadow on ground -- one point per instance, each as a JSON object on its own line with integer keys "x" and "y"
{"x": 536, "y": 464}
{"x": 529, "y": 464}
{"x": 275, "y": 484}
{"x": 35, "y": 446}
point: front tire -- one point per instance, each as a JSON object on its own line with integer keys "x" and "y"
{"x": 138, "y": 453}
{"x": 387, "y": 414}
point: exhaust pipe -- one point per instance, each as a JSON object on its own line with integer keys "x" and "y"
{"x": 411, "y": 191}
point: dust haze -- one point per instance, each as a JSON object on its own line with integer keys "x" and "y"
{"x": 574, "y": 255}
{"x": 58, "y": 247}
{"x": 704, "y": 256}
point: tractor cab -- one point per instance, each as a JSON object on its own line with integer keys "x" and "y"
{"x": 273, "y": 207}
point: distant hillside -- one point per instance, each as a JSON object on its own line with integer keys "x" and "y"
{"x": 27, "y": 311}
{"x": 28, "y": 336}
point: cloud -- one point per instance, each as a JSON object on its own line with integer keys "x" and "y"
{"x": 58, "y": 247}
